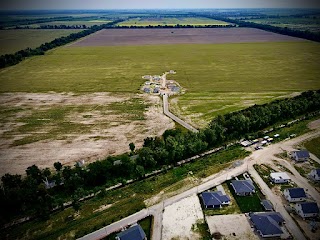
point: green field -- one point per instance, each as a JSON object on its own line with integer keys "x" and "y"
{"x": 171, "y": 21}
{"x": 88, "y": 23}
{"x": 218, "y": 78}
{"x": 14, "y": 40}
{"x": 302, "y": 24}
{"x": 313, "y": 146}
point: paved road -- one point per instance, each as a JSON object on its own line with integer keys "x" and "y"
{"x": 173, "y": 117}
{"x": 261, "y": 156}
{"x": 279, "y": 207}
{"x": 301, "y": 181}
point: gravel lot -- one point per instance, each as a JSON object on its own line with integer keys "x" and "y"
{"x": 231, "y": 226}
{"x": 179, "y": 217}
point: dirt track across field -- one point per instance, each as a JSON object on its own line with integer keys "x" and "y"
{"x": 123, "y": 37}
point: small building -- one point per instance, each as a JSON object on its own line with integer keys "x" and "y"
{"x": 243, "y": 187}
{"x": 133, "y": 233}
{"x": 267, "y": 205}
{"x": 295, "y": 194}
{"x": 175, "y": 89}
{"x": 279, "y": 177}
{"x": 49, "y": 184}
{"x": 300, "y": 156}
{"x": 264, "y": 142}
{"x": 156, "y": 90}
{"x": 307, "y": 209}
{"x": 80, "y": 163}
{"x": 246, "y": 143}
{"x": 315, "y": 174}
{"x": 270, "y": 139}
{"x": 117, "y": 162}
{"x": 276, "y": 135}
{"x": 146, "y": 90}
{"x": 213, "y": 200}
{"x": 267, "y": 224}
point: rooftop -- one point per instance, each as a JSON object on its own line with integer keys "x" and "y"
{"x": 309, "y": 207}
{"x": 214, "y": 198}
{"x": 267, "y": 205}
{"x": 243, "y": 186}
{"x": 302, "y": 154}
{"x": 279, "y": 175}
{"x": 133, "y": 233}
{"x": 297, "y": 192}
{"x": 267, "y": 223}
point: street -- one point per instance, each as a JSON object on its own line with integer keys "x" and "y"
{"x": 265, "y": 155}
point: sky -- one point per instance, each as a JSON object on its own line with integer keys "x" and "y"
{"x": 152, "y": 4}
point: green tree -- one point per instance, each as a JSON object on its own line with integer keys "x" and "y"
{"x": 132, "y": 147}
{"x": 140, "y": 171}
{"x": 57, "y": 166}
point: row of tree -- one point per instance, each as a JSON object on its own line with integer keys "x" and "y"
{"x": 12, "y": 59}
{"x": 313, "y": 36}
{"x": 178, "y": 26}
{"x": 49, "y": 26}
{"x": 8, "y": 22}
{"x": 42, "y": 190}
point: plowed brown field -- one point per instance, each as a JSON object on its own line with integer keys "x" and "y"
{"x": 118, "y": 37}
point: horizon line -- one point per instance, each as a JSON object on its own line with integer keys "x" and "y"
{"x": 148, "y": 9}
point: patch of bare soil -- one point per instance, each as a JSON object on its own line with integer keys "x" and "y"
{"x": 231, "y": 226}
{"x": 314, "y": 125}
{"x": 125, "y": 37}
{"x": 100, "y": 142}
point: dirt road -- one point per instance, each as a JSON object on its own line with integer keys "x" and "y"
{"x": 173, "y": 117}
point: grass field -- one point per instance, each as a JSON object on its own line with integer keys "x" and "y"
{"x": 59, "y": 121}
{"x": 14, "y": 40}
{"x": 313, "y": 146}
{"x": 218, "y": 78}
{"x": 88, "y": 23}
{"x": 171, "y": 21}
{"x": 302, "y": 24}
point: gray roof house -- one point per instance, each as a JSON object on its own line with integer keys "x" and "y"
{"x": 295, "y": 194}
{"x": 146, "y": 90}
{"x": 315, "y": 174}
{"x": 214, "y": 199}
{"x": 243, "y": 187}
{"x": 267, "y": 205}
{"x": 133, "y": 233}
{"x": 300, "y": 156}
{"x": 307, "y": 209}
{"x": 267, "y": 224}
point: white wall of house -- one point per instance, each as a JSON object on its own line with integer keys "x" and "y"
{"x": 277, "y": 180}
{"x": 314, "y": 175}
{"x": 288, "y": 197}
{"x": 270, "y": 235}
{"x": 299, "y": 211}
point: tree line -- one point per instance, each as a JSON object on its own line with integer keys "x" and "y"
{"x": 12, "y": 59}
{"x": 16, "y": 22}
{"x": 42, "y": 190}
{"x": 50, "y": 26}
{"x": 178, "y": 26}
{"x": 281, "y": 30}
